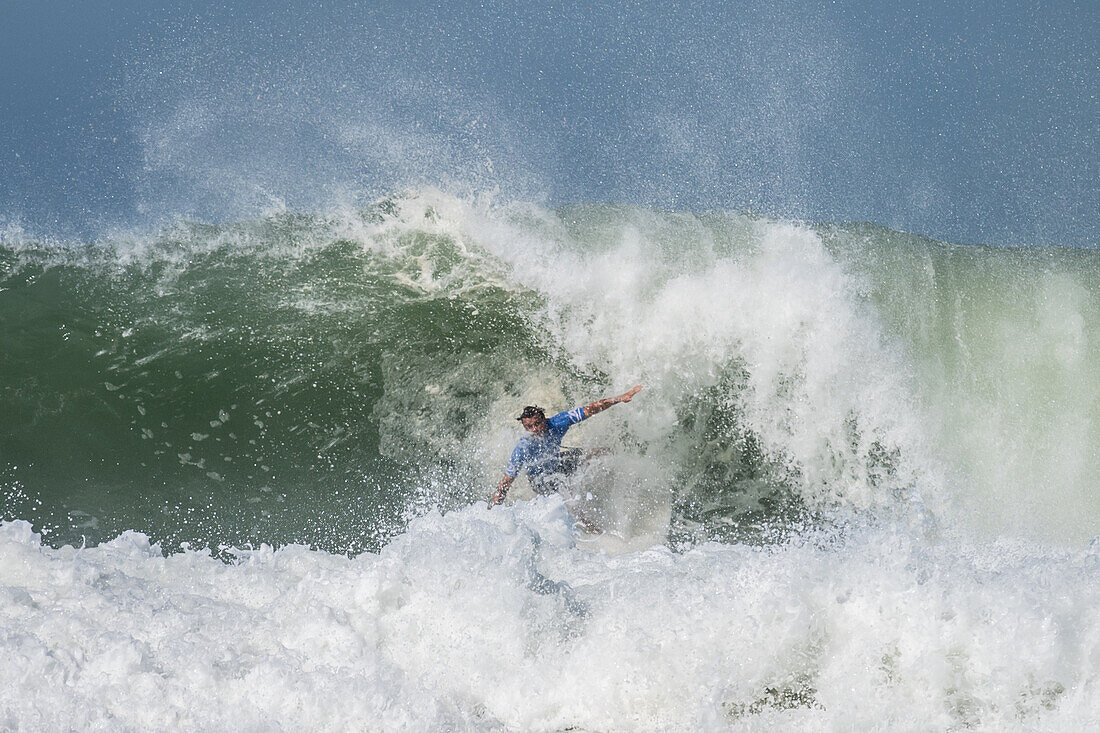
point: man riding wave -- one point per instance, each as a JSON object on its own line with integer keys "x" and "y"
{"x": 540, "y": 453}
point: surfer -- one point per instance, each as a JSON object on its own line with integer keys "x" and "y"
{"x": 541, "y": 454}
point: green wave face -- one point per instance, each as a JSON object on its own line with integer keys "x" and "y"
{"x": 1003, "y": 345}
{"x": 232, "y": 384}
{"x": 316, "y": 378}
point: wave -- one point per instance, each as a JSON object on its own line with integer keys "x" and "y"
{"x": 315, "y": 377}
{"x": 243, "y": 470}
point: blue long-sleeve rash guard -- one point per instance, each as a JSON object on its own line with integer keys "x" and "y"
{"x": 539, "y": 453}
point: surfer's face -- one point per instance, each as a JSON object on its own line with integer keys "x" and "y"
{"x": 534, "y": 424}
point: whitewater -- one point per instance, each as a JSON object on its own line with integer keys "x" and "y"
{"x": 244, "y": 468}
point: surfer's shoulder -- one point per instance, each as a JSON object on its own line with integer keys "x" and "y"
{"x": 568, "y": 417}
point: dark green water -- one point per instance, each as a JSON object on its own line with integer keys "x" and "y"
{"x": 229, "y": 385}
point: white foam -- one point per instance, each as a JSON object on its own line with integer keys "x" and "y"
{"x": 496, "y": 620}
{"x": 678, "y": 302}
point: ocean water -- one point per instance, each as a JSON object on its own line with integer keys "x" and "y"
{"x": 243, "y": 472}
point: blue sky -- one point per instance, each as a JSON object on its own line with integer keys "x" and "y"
{"x": 967, "y": 124}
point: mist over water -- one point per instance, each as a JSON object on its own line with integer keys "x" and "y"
{"x": 953, "y": 122}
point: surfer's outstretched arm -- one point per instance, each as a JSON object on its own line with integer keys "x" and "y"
{"x": 601, "y": 405}
{"x": 502, "y": 490}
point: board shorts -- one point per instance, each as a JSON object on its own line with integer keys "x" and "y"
{"x": 569, "y": 459}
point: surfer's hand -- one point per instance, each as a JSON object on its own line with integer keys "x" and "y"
{"x": 502, "y": 490}
{"x": 629, "y": 395}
